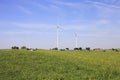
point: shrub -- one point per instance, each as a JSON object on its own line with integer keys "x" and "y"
{"x": 67, "y": 48}
{"x": 80, "y": 48}
{"x": 55, "y": 49}
{"x": 88, "y": 48}
{"x": 15, "y": 47}
{"x": 23, "y": 47}
{"x": 76, "y": 48}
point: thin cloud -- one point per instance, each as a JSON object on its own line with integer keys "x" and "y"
{"x": 50, "y": 7}
{"x": 69, "y": 4}
{"x": 87, "y": 3}
{"x": 96, "y": 26}
{"x": 24, "y": 10}
{"x": 48, "y": 26}
{"x": 20, "y": 32}
{"x": 73, "y": 27}
{"x": 103, "y": 4}
{"x": 47, "y": 7}
{"x": 103, "y": 22}
{"x": 32, "y": 25}
{"x": 41, "y": 6}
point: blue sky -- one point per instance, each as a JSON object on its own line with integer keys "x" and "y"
{"x": 32, "y": 23}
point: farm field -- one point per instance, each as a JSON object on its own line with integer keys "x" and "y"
{"x": 59, "y": 65}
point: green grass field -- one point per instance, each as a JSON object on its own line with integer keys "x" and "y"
{"x": 59, "y": 65}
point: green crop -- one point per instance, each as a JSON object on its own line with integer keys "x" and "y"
{"x": 59, "y": 65}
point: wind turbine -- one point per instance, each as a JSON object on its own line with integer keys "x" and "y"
{"x": 76, "y": 42}
{"x": 57, "y": 37}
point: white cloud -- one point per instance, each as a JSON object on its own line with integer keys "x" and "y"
{"x": 39, "y": 5}
{"x": 23, "y": 33}
{"x": 24, "y": 10}
{"x": 48, "y": 26}
{"x": 74, "y": 27}
{"x": 32, "y": 25}
{"x": 65, "y": 3}
{"x": 104, "y": 4}
{"x": 17, "y": 32}
{"x": 77, "y": 5}
{"x": 103, "y": 22}
{"x": 87, "y": 3}
{"x": 48, "y": 7}
{"x": 97, "y": 28}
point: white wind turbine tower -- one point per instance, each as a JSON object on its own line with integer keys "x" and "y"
{"x": 57, "y": 37}
{"x": 76, "y": 42}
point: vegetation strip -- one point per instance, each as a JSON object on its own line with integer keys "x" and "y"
{"x": 59, "y": 65}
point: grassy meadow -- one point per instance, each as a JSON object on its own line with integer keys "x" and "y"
{"x": 59, "y": 65}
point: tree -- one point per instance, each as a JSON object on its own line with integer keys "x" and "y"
{"x": 55, "y": 48}
{"x": 76, "y": 48}
{"x": 88, "y": 48}
{"x": 80, "y": 48}
{"x": 67, "y": 48}
{"x": 15, "y": 47}
{"x": 23, "y": 47}
{"x": 115, "y": 50}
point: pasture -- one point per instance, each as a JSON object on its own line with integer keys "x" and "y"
{"x": 59, "y": 65}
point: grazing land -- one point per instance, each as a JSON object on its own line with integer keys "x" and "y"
{"x": 59, "y": 65}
